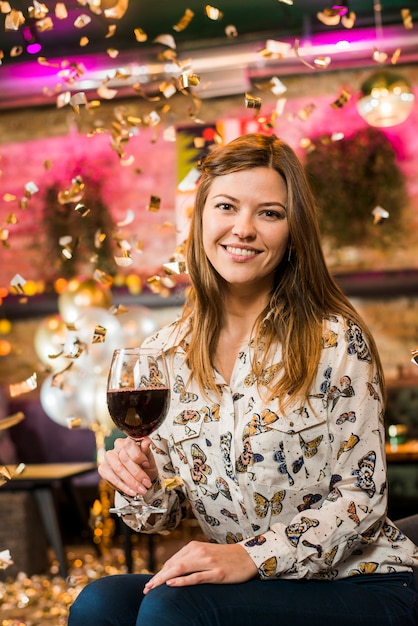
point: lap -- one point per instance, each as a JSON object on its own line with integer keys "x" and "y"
{"x": 384, "y": 600}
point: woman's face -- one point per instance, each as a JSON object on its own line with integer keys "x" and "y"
{"x": 245, "y": 228}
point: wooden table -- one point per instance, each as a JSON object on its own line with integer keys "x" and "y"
{"x": 403, "y": 452}
{"x": 41, "y": 479}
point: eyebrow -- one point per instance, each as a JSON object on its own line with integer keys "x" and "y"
{"x": 265, "y": 204}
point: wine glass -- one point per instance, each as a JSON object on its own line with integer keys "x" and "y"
{"x": 138, "y": 396}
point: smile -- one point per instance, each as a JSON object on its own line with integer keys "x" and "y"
{"x": 240, "y": 251}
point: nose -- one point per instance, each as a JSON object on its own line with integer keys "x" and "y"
{"x": 244, "y": 226}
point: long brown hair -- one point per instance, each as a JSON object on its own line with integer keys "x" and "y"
{"x": 304, "y": 292}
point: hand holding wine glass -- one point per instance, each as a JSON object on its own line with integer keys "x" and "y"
{"x": 138, "y": 395}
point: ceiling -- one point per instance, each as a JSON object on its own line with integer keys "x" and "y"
{"x": 225, "y": 64}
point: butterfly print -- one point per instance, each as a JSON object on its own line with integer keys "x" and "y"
{"x": 297, "y": 465}
{"x": 393, "y": 534}
{"x": 187, "y": 416}
{"x": 295, "y": 531}
{"x": 231, "y": 538}
{"x": 280, "y": 458}
{"x": 265, "y": 377}
{"x": 348, "y": 445}
{"x": 226, "y": 439}
{"x": 330, "y": 339}
{"x": 309, "y": 500}
{"x": 237, "y": 396}
{"x": 262, "y": 504}
{"x": 268, "y": 568}
{"x": 330, "y": 556}
{"x": 229, "y": 515}
{"x": 352, "y": 513}
{"x": 200, "y": 468}
{"x": 315, "y": 546}
{"x": 346, "y": 391}
{"x": 200, "y": 508}
{"x": 222, "y": 489}
{"x": 372, "y": 391}
{"x": 211, "y": 414}
{"x": 365, "y": 568}
{"x": 346, "y": 417}
{"x": 310, "y": 448}
{"x": 247, "y": 457}
{"x": 255, "y": 541}
{"x": 260, "y": 423}
{"x": 180, "y": 388}
{"x": 365, "y": 473}
{"x": 356, "y": 342}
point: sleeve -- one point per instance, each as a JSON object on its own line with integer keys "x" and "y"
{"x": 165, "y": 492}
{"x": 318, "y": 539}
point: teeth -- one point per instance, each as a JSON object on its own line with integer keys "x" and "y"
{"x": 240, "y": 251}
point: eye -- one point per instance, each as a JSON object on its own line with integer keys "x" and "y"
{"x": 224, "y": 206}
{"x": 274, "y": 215}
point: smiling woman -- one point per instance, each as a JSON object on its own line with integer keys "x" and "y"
{"x": 273, "y": 437}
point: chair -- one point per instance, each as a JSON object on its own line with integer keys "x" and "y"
{"x": 409, "y": 526}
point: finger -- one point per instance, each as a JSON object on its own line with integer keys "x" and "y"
{"x": 123, "y": 473}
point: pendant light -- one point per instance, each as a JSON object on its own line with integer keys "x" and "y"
{"x": 387, "y": 98}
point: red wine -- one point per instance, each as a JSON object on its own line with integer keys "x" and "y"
{"x": 138, "y": 412}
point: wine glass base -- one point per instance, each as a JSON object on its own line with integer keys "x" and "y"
{"x": 136, "y": 508}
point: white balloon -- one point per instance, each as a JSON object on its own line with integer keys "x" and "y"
{"x": 96, "y": 356}
{"x": 137, "y": 324}
{"x": 61, "y": 403}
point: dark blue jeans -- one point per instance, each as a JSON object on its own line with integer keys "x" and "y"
{"x": 373, "y": 600}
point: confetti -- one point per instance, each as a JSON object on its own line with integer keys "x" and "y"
{"x": 252, "y": 102}
{"x": 213, "y": 13}
{"x": 231, "y": 31}
{"x": 140, "y": 35}
{"x": 379, "y": 215}
{"x": 18, "y": 284}
{"x": 154, "y": 205}
{"x": 184, "y": 21}
{"x": 407, "y": 19}
{"x": 99, "y": 335}
{"x": 342, "y": 99}
{"x": 11, "y": 420}
{"x": 18, "y": 389}
{"x": 414, "y": 358}
{"x": 175, "y": 267}
{"x": 5, "y": 556}
{"x": 166, "y": 40}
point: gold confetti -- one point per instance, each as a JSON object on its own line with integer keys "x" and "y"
{"x": 252, "y": 102}
{"x": 112, "y": 53}
{"x": 414, "y": 358}
{"x": 73, "y": 422}
{"x": 329, "y": 17}
{"x": 13, "y": 20}
{"x": 101, "y": 277}
{"x": 166, "y": 40}
{"x": 407, "y": 19}
{"x": 11, "y": 420}
{"x": 306, "y": 112}
{"x": 322, "y": 62}
{"x": 30, "y": 189}
{"x": 125, "y": 260}
{"x": 82, "y": 209}
{"x": 111, "y": 30}
{"x": 395, "y": 56}
{"x": 61, "y": 12}
{"x": 18, "y": 284}
{"x": 140, "y": 35}
{"x": 118, "y": 10}
{"x": 82, "y": 20}
{"x": 154, "y": 205}
{"x": 379, "y": 215}
{"x": 349, "y": 20}
{"x": 38, "y": 11}
{"x": 231, "y": 31}
{"x": 175, "y": 267}
{"x": 17, "y": 389}
{"x": 213, "y": 13}
{"x": 342, "y": 99}
{"x": 44, "y": 25}
{"x": 188, "y": 80}
{"x": 99, "y": 335}
{"x": 5, "y": 556}
{"x": 379, "y": 56}
{"x": 184, "y": 21}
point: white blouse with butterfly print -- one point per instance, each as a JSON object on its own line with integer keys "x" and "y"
{"x": 304, "y": 493}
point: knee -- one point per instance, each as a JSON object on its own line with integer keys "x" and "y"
{"x": 168, "y": 606}
{"x": 95, "y": 604}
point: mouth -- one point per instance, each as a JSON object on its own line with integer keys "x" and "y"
{"x": 243, "y": 252}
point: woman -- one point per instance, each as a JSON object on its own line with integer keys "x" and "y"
{"x": 275, "y": 434}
